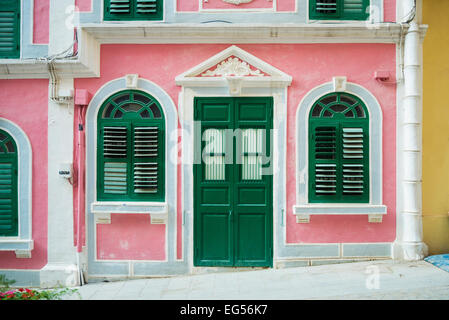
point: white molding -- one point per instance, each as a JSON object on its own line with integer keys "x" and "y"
{"x": 374, "y": 212}
{"x": 339, "y": 209}
{"x": 23, "y": 254}
{"x": 24, "y": 190}
{"x": 303, "y": 209}
{"x": 347, "y": 32}
{"x": 21, "y": 247}
{"x": 97, "y": 267}
{"x": 409, "y": 244}
{"x": 86, "y": 65}
{"x": 102, "y": 210}
{"x": 92, "y": 35}
{"x": 131, "y": 80}
{"x": 339, "y": 83}
{"x": 219, "y": 88}
{"x": 267, "y": 77}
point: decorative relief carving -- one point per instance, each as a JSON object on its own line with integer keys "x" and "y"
{"x": 232, "y": 67}
{"x": 237, "y": 2}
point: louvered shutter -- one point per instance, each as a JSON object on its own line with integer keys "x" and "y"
{"x": 339, "y": 9}
{"x": 115, "y": 160}
{"x": 338, "y": 163}
{"x": 133, "y": 9}
{"x": 355, "y": 9}
{"x": 147, "y": 8}
{"x": 146, "y": 146}
{"x": 131, "y": 148}
{"x": 8, "y": 198}
{"x": 117, "y": 9}
{"x": 354, "y": 163}
{"x": 9, "y": 29}
{"x": 324, "y": 8}
{"x": 323, "y": 161}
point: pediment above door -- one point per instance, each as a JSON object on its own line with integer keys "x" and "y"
{"x": 234, "y": 68}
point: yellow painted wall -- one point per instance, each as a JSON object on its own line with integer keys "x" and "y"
{"x": 436, "y": 126}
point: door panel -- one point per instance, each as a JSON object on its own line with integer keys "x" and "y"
{"x": 232, "y": 192}
{"x": 251, "y": 239}
{"x": 216, "y": 238}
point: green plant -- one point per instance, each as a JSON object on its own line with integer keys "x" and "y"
{"x": 33, "y": 294}
{"x": 5, "y": 283}
{"x": 6, "y": 293}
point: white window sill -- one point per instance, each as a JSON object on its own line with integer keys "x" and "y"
{"x": 102, "y": 210}
{"x": 374, "y": 212}
{"x": 21, "y": 247}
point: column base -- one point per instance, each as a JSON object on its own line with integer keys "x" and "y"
{"x": 410, "y": 251}
{"x": 54, "y": 275}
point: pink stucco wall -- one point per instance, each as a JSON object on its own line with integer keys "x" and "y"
{"x": 130, "y": 237}
{"x": 281, "y": 5}
{"x": 390, "y": 10}
{"x": 187, "y": 5}
{"x": 358, "y": 62}
{"x": 255, "y": 4}
{"x": 41, "y": 21}
{"x": 193, "y": 5}
{"x": 310, "y": 65}
{"x": 25, "y": 103}
{"x": 84, "y": 5}
{"x": 285, "y": 5}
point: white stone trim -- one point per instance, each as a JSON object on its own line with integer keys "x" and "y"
{"x": 303, "y": 209}
{"x": 336, "y": 32}
{"x": 194, "y": 76}
{"x": 409, "y": 244}
{"x": 24, "y": 241}
{"x": 103, "y": 209}
{"x": 220, "y": 88}
{"x": 101, "y": 267}
{"x": 374, "y": 212}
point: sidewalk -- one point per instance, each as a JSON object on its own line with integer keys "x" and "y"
{"x": 384, "y": 279}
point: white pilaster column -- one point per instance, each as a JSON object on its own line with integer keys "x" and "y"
{"x": 409, "y": 244}
{"x": 61, "y": 268}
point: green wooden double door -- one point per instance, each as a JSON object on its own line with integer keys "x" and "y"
{"x": 233, "y": 181}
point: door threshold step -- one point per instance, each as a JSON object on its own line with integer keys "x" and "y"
{"x": 205, "y": 270}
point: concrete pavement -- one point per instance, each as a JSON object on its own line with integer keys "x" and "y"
{"x": 384, "y": 279}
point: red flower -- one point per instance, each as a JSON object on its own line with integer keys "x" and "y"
{"x": 28, "y": 290}
{"x": 21, "y": 289}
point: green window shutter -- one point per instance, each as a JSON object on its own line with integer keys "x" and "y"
{"x": 131, "y": 150}
{"x": 324, "y": 9}
{"x": 148, "y": 168}
{"x": 133, "y": 10}
{"x": 338, "y": 150}
{"x": 324, "y": 161}
{"x": 355, "y": 9}
{"x": 10, "y": 29}
{"x": 338, "y": 9}
{"x": 354, "y": 163}
{"x": 8, "y": 186}
{"x": 114, "y": 153}
{"x": 117, "y": 9}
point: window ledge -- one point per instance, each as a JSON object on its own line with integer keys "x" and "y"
{"x": 21, "y": 247}
{"x": 102, "y": 210}
{"x": 374, "y": 212}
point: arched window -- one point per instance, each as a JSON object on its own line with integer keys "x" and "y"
{"x": 8, "y": 186}
{"x": 339, "y": 150}
{"x": 131, "y": 153}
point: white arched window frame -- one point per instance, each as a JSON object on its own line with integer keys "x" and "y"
{"x": 159, "y": 212}
{"x": 375, "y": 208}
{"x": 23, "y": 243}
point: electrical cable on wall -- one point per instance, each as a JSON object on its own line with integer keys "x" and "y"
{"x": 70, "y": 53}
